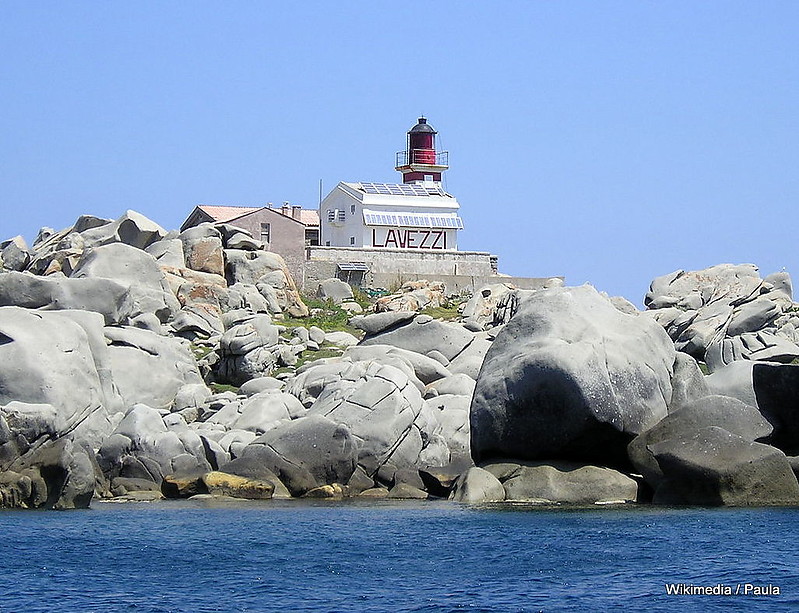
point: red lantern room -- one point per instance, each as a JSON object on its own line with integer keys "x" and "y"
{"x": 420, "y": 162}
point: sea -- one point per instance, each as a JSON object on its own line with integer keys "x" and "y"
{"x": 395, "y": 556}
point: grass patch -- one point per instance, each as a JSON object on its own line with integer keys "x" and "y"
{"x": 325, "y": 314}
{"x": 218, "y": 388}
{"x": 447, "y": 313}
{"x": 326, "y": 351}
{"x": 200, "y": 351}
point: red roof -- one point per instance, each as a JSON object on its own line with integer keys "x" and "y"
{"x": 222, "y": 214}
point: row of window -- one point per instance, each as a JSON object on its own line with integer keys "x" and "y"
{"x": 413, "y": 220}
{"x": 339, "y": 214}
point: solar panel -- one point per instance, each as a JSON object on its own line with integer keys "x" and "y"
{"x": 402, "y": 189}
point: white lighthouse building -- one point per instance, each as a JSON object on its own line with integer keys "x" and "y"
{"x": 416, "y": 214}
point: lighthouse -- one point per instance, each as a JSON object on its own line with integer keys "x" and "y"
{"x": 420, "y": 162}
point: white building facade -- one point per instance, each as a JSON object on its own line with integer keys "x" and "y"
{"x": 409, "y": 216}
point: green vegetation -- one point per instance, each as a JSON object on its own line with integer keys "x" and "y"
{"x": 447, "y": 313}
{"x": 218, "y": 388}
{"x": 362, "y": 298}
{"x": 325, "y": 351}
{"x": 325, "y": 314}
{"x": 200, "y": 351}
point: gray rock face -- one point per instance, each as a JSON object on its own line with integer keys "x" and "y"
{"x": 164, "y": 363}
{"x": 482, "y": 306}
{"x": 136, "y": 270}
{"x": 15, "y": 254}
{"x": 459, "y": 385}
{"x": 688, "y": 383}
{"x": 426, "y": 369}
{"x": 168, "y": 252}
{"x": 143, "y": 447}
{"x": 197, "y": 321}
{"x": 248, "y": 350}
{"x": 563, "y": 482}
{"x": 335, "y": 290}
{"x": 715, "y": 467}
{"x": 734, "y": 380}
{"x": 54, "y": 474}
{"x": 268, "y": 272}
{"x": 727, "y": 313}
{"x": 104, "y": 296}
{"x": 132, "y": 229}
{"x": 422, "y": 335}
{"x": 260, "y": 384}
{"x": 382, "y": 322}
{"x": 452, "y": 413}
{"x": 45, "y": 358}
{"x": 242, "y": 240}
{"x": 722, "y": 411}
{"x": 306, "y": 453}
{"x": 383, "y": 410}
{"x": 202, "y": 248}
{"x": 341, "y": 339}
{"x": 570, "y": 377}
{"x": 413, "y": 296}
{"x": 470, "y": 360}
{"x": 260, "y": 413}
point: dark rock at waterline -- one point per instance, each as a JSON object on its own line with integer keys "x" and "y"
{"x": 252, "y": 466}
{"x": 715, "y": 467}
{"x": 563, "y": 483}
{"x": 307, "y": 453}
{"x": 722, "y": 411}
{"x": 439, "y": 481}
{"x": 53, "y": 475}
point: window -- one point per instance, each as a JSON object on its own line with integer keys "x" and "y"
{"x": 327, "y": 243}
{"x": 352, "y": 240}
{"x": 336, "y": 215}
{"x": 352, "y": 209}
{"x": 312, "y": 237}
{"x": 265, "y": 232}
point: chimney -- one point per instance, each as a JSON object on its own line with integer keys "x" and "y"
{"x": 284, "y": 209}
{"x": 296, "y": 212}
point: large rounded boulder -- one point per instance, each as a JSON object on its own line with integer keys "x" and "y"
{"x": 570, "y": 377}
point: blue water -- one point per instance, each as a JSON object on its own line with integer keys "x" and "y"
{"x": 352, "y": 557}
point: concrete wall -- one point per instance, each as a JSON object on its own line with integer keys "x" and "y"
{"x": 389, "y": 268}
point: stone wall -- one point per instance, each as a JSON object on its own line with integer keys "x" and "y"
{"x": 458, "y": 270}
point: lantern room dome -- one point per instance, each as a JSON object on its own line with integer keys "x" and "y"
{"x": 422, "y": 126}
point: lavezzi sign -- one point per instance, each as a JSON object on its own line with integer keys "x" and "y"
{"x": 409, "y": 238}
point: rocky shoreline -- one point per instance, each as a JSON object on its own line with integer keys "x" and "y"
{"x": 139, "y": 364}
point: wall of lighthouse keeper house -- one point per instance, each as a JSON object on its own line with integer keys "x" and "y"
{"x": 391, "y": 216}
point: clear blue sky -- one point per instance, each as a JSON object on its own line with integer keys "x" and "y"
{"x": 610, "y": 142}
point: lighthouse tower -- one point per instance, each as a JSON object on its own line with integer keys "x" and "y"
{"x": 420, "y": 162}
